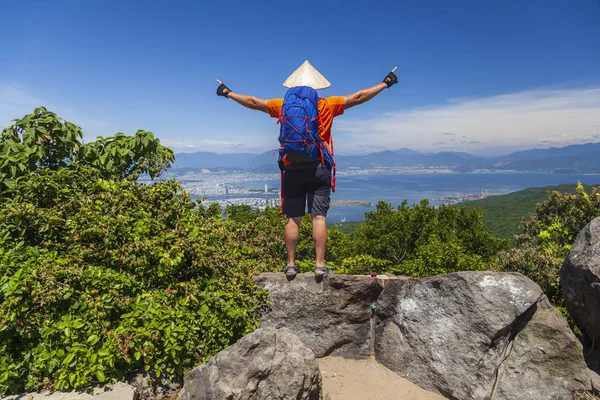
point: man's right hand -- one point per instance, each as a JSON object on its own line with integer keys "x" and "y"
{"x": 223, "y": 90}
{"x": 391, "y": 78}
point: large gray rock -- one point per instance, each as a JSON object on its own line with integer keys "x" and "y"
{"x": 268, "y": 364}
{"x": 448, "y": 333}
{"x": 545, "y": 361}
{"x": 331, "y": 316}
{"x": 468, "y": 335}
{"x": 580, "y": 280}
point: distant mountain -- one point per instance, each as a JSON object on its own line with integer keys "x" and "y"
{"x": 265, "y": 162}
{"x": 583, "y": 158}
{"x": 552, "y": 152}
{"x": 404, "y": 158}
{"x": 583, "y": 163}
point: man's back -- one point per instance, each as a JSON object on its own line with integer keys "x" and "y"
{"x": 329, "y": 108}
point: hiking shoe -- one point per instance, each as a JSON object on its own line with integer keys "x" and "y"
{"x": 290, "y": 271}
{"x": 319, "y": 271}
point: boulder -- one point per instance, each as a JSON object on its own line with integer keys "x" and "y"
{"x": 545, "y": 361}
{"x": 268, "y": 364}
{"x": 331, "y": 316}
{"x": 466, "y": 335}
{"x": 448, "y": 333}
{"x": 580, "y": 281}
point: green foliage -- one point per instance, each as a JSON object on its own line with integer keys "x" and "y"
{"x": 559, "y": 219}
{"x": 121, "y": 156}
{"x": 502, "y": 214}
{"x": 214, "y": 211}
{"x": 346, "y": 227}
{"x": 42, "y": 140}
{"x": 541, "y": 267}
{"x": 419, "y": 241}
{"x": 546, "y": 238}
{"x": 363, "y": 264}
{"x": 100, "y": 278}
{"x": 37, "y": 141}
{"x": 243, "y": 214}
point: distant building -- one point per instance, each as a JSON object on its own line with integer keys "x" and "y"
{"x": 266, "y": 188}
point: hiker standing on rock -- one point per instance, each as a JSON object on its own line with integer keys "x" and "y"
{"x": 306, "y": 151}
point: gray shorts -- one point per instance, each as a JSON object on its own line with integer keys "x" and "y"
{"x": 308, "y": 184}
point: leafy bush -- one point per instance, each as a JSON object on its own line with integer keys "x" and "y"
{"x": 42, "y": 140}
{"x": 546, "y": 237}
{"x": 101, "y": 278}
{"x": 539, "y": 266}
{"x": 419, "y": 241}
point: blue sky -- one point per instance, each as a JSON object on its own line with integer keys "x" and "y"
{"x": 481, "y": 76}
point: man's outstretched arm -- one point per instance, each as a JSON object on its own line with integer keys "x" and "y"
{"x": 252, "y": 102}
{"x": 362, "y": 96}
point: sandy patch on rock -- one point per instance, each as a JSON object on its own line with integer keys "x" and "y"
{"x": 367, "y": 380}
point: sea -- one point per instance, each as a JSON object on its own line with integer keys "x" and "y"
{"x": 434, "y": 187}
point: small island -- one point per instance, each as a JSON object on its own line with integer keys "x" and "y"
{"x": 351, "y": 203}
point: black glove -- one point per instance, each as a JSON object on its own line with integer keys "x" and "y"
{"x": 390, "y": 79}
{"x": 223, "y": 90}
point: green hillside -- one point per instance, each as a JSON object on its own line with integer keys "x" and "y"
{"x": 502, "y": 214}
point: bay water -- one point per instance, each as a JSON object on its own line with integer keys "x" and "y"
{"x": 431, "y": 186}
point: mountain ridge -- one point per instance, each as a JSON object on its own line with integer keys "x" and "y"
{"x": 576, "y": 158}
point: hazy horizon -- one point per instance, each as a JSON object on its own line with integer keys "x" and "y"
{"x": 482, "y": 153}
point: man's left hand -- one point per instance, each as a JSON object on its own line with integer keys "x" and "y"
{"x": 391, "y": 79}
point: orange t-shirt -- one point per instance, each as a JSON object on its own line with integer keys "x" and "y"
{"x": 328, "y": 108}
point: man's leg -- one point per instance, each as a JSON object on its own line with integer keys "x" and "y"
{"x": 319, "y": 232}
{"x": 319, "y": 197}
{"x": 294, "y": 204}
{"x": 292, "y": 233}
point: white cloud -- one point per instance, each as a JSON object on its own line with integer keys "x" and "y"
{"x": 536, "y": 118}
{"x": 497, "y": 124}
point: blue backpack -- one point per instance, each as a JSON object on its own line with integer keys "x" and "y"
{"x": 299, "y": 132}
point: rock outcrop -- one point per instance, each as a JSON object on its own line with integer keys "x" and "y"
{"x": 266, "y": 364}
{"x": 580, "y": 281}
{"x": 468, "y": 335}
{"x": 331, "y": 317}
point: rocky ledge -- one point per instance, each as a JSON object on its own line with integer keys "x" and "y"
{"x": 467, "y": 335}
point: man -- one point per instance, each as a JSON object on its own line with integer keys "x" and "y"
{"x": 310, "y": 181}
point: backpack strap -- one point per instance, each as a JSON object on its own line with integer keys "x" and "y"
{"x": 281, "y": 191}
{"x": 333, "y": 179}
{"x": 332, "y": 153}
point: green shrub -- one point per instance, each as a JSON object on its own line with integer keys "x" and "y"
{"x": 419, "y": 240}
{"x": 544, "y": 239}
{"x": 102, "y": 278}
{"x": 363, "y": 264}
{"x": 42, "y": 140}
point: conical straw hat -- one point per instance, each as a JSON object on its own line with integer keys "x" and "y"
{"x": 307, "y": 75}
